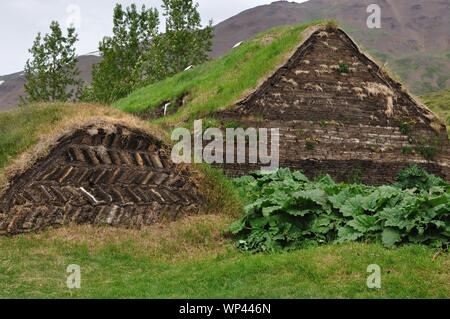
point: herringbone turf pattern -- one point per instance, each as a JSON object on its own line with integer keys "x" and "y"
{"x": 96, "y": 176}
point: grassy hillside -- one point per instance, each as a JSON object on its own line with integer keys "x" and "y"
{"x": 439, "y": 102}
{"x": 218, "y": 83}
{"x": 21, "y": 128}
{"x": 422, "y": 72}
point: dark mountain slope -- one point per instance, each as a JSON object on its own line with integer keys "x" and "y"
{"x": 12, "y": 87}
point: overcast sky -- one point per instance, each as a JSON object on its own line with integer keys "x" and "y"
{"x": 20, "y": 20}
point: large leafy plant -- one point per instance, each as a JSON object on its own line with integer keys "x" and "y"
{"x": 287, "y": 211}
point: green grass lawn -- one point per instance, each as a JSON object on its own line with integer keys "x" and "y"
{"x": 192, "y": 259}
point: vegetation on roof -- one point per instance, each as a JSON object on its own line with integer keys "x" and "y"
{"x": 219, "y": 83}
{"x": 25, "y": 133}
{"x": 19, "y": 129}
{"x": 24, "y": 127}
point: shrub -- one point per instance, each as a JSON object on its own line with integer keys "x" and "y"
{"x": 405, "y": 128}
{"x": 343, "y": 68}
{"x": 407, "y": 150}
{"x": 428, "y": 152}
{"x": 287, "y": 211}
{"x": 310, "y": 146}
{"x": 414, "y": 177}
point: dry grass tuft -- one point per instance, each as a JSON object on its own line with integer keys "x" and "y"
{"x": 299, "y": 72}
{"x": 269, "y": 38}
{"x": 311, "y": 86}
{"x": 379, "y": 90}
{"x": 357, "y": 90}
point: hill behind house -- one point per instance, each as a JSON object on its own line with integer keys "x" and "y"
{"x": 12, "y": 85}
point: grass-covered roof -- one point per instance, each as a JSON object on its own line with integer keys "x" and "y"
{"x": 219, "y": 83}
